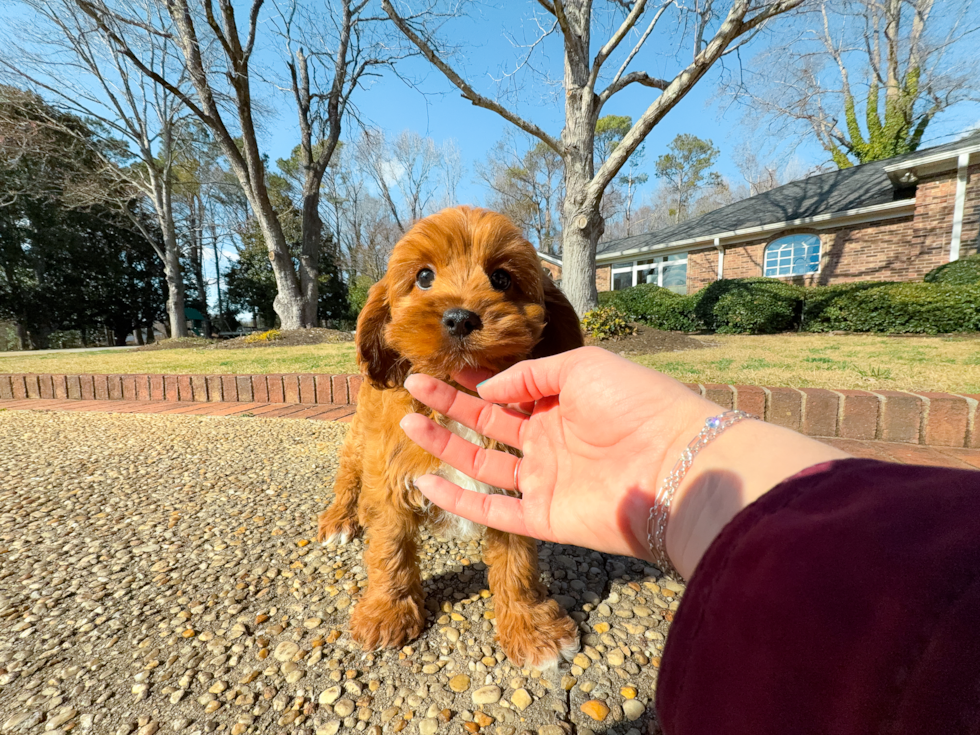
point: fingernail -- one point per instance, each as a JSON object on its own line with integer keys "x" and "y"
{"x": 483, "y": 383}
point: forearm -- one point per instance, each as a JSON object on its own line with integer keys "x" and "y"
{"x": 730, "y": 473}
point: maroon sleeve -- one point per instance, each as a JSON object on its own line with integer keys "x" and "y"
{"x": 846, "y": 600}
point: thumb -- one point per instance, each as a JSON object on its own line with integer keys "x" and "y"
{"x": 530, "y": 380}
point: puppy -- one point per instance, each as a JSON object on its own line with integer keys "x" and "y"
{"x": 463, "y": 289}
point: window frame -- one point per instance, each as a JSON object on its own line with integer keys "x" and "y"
{"x": 646, "y": 263}
{"x": 779, "y": 244}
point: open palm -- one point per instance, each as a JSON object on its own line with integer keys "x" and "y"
{"x": 594, "y": 437}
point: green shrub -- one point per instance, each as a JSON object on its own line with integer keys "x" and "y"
{"x": 657, "y": 307}
{"x": 819, "y": 298}
{"x": 268, "y": 336}
{"x": 900, "y": 308}
{"x": 749, "y": 306}
{"x": 962, "y": 272}
{"x": 606, "y": 321}
{"x": 357, "y": 294}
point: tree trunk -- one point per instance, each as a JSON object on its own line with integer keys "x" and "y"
{"x": 175, "y": 288}
{"x": 309, "y": 259}
{"x": 582, "y": 224}
{"x": 22, "y": 338}
{"x": 197, "y": 266}
{"x": 138, "y": 333}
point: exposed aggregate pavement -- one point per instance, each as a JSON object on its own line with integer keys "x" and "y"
{"x": 158, "y": 574}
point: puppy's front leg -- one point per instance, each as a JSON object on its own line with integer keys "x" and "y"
{"x": 531, "y": 627}
{"x": 391, "y": 611}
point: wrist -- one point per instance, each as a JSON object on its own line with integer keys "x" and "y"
{"x": 729, "y": 474}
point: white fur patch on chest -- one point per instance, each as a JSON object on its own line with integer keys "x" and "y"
{"x": 451, "y": 525}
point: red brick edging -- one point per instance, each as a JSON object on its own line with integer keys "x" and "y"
{"x": 305, "y": 389}
{"x": 931, "y": 419}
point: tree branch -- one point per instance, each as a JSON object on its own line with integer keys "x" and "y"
{"x": 604, "y": 53}
{"x": 468, "y": 92}
{"x": 634, "y": 77}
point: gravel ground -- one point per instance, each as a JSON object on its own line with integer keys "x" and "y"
{"x": 157, "y": 575}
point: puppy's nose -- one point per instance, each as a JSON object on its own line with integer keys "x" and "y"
{"x": 460, "y": 322}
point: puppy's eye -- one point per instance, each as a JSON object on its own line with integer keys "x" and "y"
{"x": 500, "y": 279}
{"x": 425, "y": 278}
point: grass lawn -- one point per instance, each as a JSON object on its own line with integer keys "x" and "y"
{"x": 801, "y": 360}
{"x": 869, "y": 362}
{"x": 323, "y": 358}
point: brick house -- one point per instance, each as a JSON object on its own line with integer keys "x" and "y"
{"x": 892, "y": 220}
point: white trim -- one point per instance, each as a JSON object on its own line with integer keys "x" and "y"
{"x": 931, "y": 159}
{"x": 550, "y": 258}
{"x": 954, "y": 244}
{"x": 721, "y": 258}
{"x": 873, "y": 213}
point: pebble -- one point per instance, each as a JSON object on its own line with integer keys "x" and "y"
{"x": 521, "y": 699}
{"x": 428, "y": 726}
{"x": 596, "y": 709}
{"x": 633, "y": 709}
{"x": 330, "y": 695}
{"x": 487, "y": 695}
{"x": 459, "y": 683}
{"x": 285, "y": 651}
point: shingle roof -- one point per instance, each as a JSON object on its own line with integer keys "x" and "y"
{"x": 837, "y": 191}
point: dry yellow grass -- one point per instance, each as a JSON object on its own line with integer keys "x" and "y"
{"x": 323, "y": 358}
{"x": 869, "y": 362}
{"x": 802, "y": 360}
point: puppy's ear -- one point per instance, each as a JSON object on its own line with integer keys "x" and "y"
{"x": 563, "y": 331}
{"x": 381, "y": 364}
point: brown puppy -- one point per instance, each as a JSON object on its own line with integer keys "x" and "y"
{"x": 463, "y": 289}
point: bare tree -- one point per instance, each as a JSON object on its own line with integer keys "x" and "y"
{"x": 214, "y": 48}
{"x": 903, "y": 61}
{"x": 413, "y": 174}
{"x": 350, "y": 52}
{"x": 526, "y": 184}
{"x": 713, "y": 32}
{"x": 60, "y": 56}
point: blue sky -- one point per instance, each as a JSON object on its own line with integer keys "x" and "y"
{"x": 486, "y": 51}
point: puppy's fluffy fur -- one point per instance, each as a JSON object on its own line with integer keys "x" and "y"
{"x": 401, "y": 330}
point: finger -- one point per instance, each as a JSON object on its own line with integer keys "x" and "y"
{"x": 472, "y": 377}
{"x": 486, "y": 465}
{"x": 496, "y": 511}
{"x": 496, "y": 422}
{"x": 529, "y": 380}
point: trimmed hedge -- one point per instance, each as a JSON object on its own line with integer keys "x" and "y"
{"x": 750, "y": 306}
{"x": 901, "y": 308}
{"x": 657, "y": 307}
{"x": 768, "y": 305}
{"x": 962, "y": 272}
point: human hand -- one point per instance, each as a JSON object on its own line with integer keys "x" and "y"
{"x": 594, "y": 444}
{"x": 599, "y": 434}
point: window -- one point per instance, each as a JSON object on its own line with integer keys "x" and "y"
{"x": 668, "y": 271}
{"x": 794, "y": 255}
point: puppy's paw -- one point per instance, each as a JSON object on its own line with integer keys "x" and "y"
{"x": 539, "y": 636}
{"x": 336, "y": 527}
{"x": 384, "y": 622}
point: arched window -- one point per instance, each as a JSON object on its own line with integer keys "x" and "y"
{"x": 793, "y": 255}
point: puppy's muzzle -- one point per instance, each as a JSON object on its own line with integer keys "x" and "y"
{"x": 461, "y": 322}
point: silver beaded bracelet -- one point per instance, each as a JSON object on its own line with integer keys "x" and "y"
{"x": 660, "y": 512}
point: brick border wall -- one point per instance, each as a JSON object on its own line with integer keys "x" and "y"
{"x": 932, "y": 419}
{"x": 290, "y": 388}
